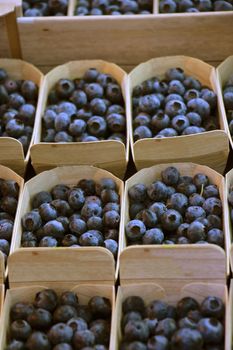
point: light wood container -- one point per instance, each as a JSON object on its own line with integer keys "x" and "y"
{"x": 209, "y": 148}
{"x": 27, "y": 294}
{"x": 228, "y": 223}
{"x": 126, "y": 40}
{"x": 167, "y": 264}
{"x": 150, "y": 292}
{"x": 230, "y": 314}
{"x": 62, "y": 266}
{"x": 8, "y": 174}
{"x": 110, "y": 154}
{"x": 11, "y": 150}
{"x": 9, "y": 36}
{"x": 2, "y": 292}
{"x": 224, "y": 71}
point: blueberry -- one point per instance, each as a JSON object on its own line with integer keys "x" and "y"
{"x": 108, "y": 195}
{"x": 47, "y": 212}
{"x": 77, "y": 127}
{"x": 91, "y": 75}
{"x": 135, "y": 345}
{"x": 159, "y": 342}
{"x": 166, "y": 327}
{"x": 91, "y": 238}
{"x": 89, "y": 210}
{"x": 211, "y": 330}
{"x": 186, "y": 322}
{"x": 222, "y": 6}
{"x": 82, "y": 339}
{"x": 94, "y": 90}
{"x": 6, "y": 228}
{"x": 55, "y": 229}
{"x": 3, "y": 75}
{"x": 63, "y": 346}
{"x": 48, "y": 242}
{"x": 158, "y": 208}
{"x": 20, "y": 330}
{"x": 131, "y": 316}
{"x": 64, "y": 88}
{"x": 215, "y": 236}
{"x": 186, "y": 338}
{"x": 69, "y": 240}
{"x": 116, "y": 122}
{"x": 196, "y": 200}
{"x": 148, "y": 217}
{"x": 16, "y": 345}
{"x": 136, "y": 330}
{"x": 15, "y": 128}
{"x": 171, "y": 220}
{"x": 111, "y": 219}
{"x": 214, "y": 221}
{"x": 135, "y": 229}
{"x": 149, "y": 103}
{"x": 63, "y": 136}
{"x": 60, "y": 192}
{"x": 101, "y": 331}
{"x": 115, "y": 108}
{"x": 160, "y": 121}
{"x": 111, "y": 206}
{"x": 77, "y": 324}
{"x": 31, "y": 221}
{"x": 88, "y": 186}
{"x": 60, "y": 333}
{"x": 79, "y": 98}
{"x": 211, "y": 191}
{"x": 173, "y": 97}
{"x": 97, "y": 126}
{"x": 209, "y": 96}
{"x": 142, "y": 119}
{"x": 100, "y": 307}
{"x": 28, "y": 236}
{"x": 142, "y": 132}
{"x": 40, "y": 319}
{"x": 153, "y": 236}
{"x": 212, "y": 307}
{"x": 182, "y": 230}
{"x": 38, "y": 341}
{"x": 20, "y": 311}
{"x": 157, "y": 191}
{"x": 193, "y": 130}
{"x": 48, "y": 135}
{"x": 133, "y": 303}
{"x": 196, "y": 232}
{"x": 175, "y": 107}
{"x": 111, "y": 234}
{"x": 112, "y": 246}
{"x": 46, "y": 299}
{"x": 175, "y": 73}
{"x": 77, "y": 226}
{"x": 67, "y": 107}
{"x": 193, "y": 213}
{"x": 95, "y": 223}
{"x": 178, "y": 201}
{"x": 194, "y": 119}
{"x": 185, "y": 305}
{"x": 213, "y": 206}
{"x": 105, "y": 184}
{"x": 180, "y": 122}
{"x": 157, "y": 309}
{"x": 98, "y": 106}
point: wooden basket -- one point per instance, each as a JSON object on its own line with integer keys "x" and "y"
{"x": 84, "y": 292}
{"x": 65, "y": 266}
{"x": 136, "y": 37}
{"x": 150, "y": 292}
{"x": 9, "y": 36}
{"x": 209, "y": 148}
{"x": 224, "y": 70}
{"x": 167, "y": 264}
{"x": 8, "y": 174}
{"x": 11, "y": 150}
{"x": 110, "y": 154}
{"x": 228, "y": 224}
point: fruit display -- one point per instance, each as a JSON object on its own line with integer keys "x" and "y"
{"x": 175, "y": 209}
{"x": 85, "y": 109}
{"x": 18, "y": 100}
{"x": 60, "y": 322}
{"x": 228, "y": 102}
{"x": 176, "y": 104}
{"x": 87, "y": 214}
{"x": 113, "y": 8}
{"x": 158, "y": 325}
{"x": 194, "y": 6}
{"x": 9, "y": 194}
{"x": 40, "y": 8}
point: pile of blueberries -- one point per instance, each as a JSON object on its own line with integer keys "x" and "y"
{"x": 9, "y": 192}
{"x": 60, "y": 323}
{"x": 173, "y": 6}
{"x": 173, "y": 106}
{"x": 84, "y": 110}
{"x": 175, "y": 210}
{"x": 40, "y": 8}
{"x": 228, "y": 102}
{"x": 186, "y": 326}
{"x": 18, "y": 99}
{"x": 113, "y": 7}
{"x": 85, "y": 215}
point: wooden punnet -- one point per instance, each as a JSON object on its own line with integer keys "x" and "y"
{"x": 61, "y": 266}
{"x": 110, "y": 154}
{"x": 209, "y": 148}
{"x": 11, "y": 150}
{"x": 152, "y": 291}
{"x": 8, "y": 174}
{"x": 228, "y": 223}
{"x": 27, "y": 294}
{"x": 224, "y": 71}
{"x": 2, "y": 292}
{"x": 167, "y": 264}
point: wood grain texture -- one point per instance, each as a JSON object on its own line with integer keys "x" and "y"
{"x": 208, "y": 148}
{"x": 152, "y": 263}
{"x": 137, "y": 38}
{"x": 2, "y": 294}
{"x": 61, "y": 265}
{"x": 224, "y": 71}
{"x": 230, "y": 316}
{"x": 8, "y": 174}
{"x": 150, "y": 292}
{"x": 228, "y": 223}
{"x": 84, "y": 293}
{"x": 11, "y": 150}
{"x": 110, "y": 155}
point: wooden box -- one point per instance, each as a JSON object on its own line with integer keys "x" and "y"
{"x": 126, "y": 40}
{"x": 209, "y": 148}
{"x": 8, "y": 174}
{"x": 27, "y": 294}
{"x": 228, "y": 223}
{"x": 224, "y": 70}
{"x": 61, "y": 266}
{"x": 9, "y": 37}
{"x": 167, "y": 264}
{"x": 110, "y": 154}
{"x": 11, "y": 150}
{"x": 2, "y": 292}
{"x": 231, "y": 314}
{"x": 150, "y": 292}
